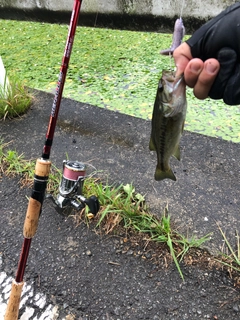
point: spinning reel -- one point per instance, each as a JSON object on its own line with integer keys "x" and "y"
{"x": 71, "y": 189}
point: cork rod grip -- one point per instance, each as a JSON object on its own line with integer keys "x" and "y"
{"x": 14, "y": 301}
{"x": 42, "y": 170}
{"x": 32, "y": 217}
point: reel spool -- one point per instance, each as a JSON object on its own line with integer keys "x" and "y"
{"x": 73, "y": 178}
{"x": 71, "y": 188}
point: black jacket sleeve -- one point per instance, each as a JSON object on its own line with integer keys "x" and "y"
{"x": 220, "y": 39}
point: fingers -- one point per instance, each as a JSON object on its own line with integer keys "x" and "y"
{"x": 203, "y": 78}
{"x": 193, "y": 71}
{"x": 197, "y": 74}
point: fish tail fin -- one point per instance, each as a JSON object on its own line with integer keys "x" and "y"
{"x": 160, "y": 175}
{"x": 151, "y": 145}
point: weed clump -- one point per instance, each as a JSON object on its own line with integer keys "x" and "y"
{"x": 15, "y": 98}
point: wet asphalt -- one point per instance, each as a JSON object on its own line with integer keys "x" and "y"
{"x": 92, "y": 276}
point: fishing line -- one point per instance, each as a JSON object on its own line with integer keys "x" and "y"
{"x": 96, "y": 5}
{"x": 179, "y": 7}
{"x": 183, "y": 5}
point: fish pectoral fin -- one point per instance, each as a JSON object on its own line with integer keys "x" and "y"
{"x": 151, "y": 145}
{"x": 176, "y": 153}
{"x": 160, "y": 175}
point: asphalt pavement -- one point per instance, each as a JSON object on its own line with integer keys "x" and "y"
{"x": 75, "y": 272}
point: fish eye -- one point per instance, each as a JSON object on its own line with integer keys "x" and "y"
{"x": 160, "y": 86}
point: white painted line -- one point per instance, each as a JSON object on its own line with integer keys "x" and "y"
{"x": 37, "y": 301}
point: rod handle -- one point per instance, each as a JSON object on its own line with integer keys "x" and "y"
{"x": 32, "y": 218}
{"x": 42, "y": 170}
{"x": 14, "y": 301}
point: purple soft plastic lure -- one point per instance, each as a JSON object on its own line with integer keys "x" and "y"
{"x": 178, "y": 35}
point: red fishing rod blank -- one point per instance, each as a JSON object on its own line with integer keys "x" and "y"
{"x": 41, "y": 175}
{"x": 61, "y": 81}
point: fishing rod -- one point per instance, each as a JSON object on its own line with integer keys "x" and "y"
{"x": 41, "y": 175}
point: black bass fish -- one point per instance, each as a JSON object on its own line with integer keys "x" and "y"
{"x": 168, "y": 119}
{"x": 178, "y": 34}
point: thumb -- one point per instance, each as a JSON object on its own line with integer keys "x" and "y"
{"x": 182, "y": 55}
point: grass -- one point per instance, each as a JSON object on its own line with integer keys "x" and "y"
{"x": 12, "y": 164}
{"x": 231, "y": 259}
{"x": 113, "y": 69}
{"x": 120, "y": 206}
{"x": 15, "y": 98}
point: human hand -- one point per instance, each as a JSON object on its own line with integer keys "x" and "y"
{"x": 197, "y": 74}
{"x": 210, "y": 59}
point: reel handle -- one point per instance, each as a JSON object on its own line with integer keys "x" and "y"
{"x": 93, "y": 204}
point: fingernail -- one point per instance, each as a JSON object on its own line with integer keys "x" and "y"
{"x": 210, "y": 68}
{"x": 195, "y": 68}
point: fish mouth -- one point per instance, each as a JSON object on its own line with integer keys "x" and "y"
{"x": 179, "y": 78}
{"x": 172, "y": 81}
